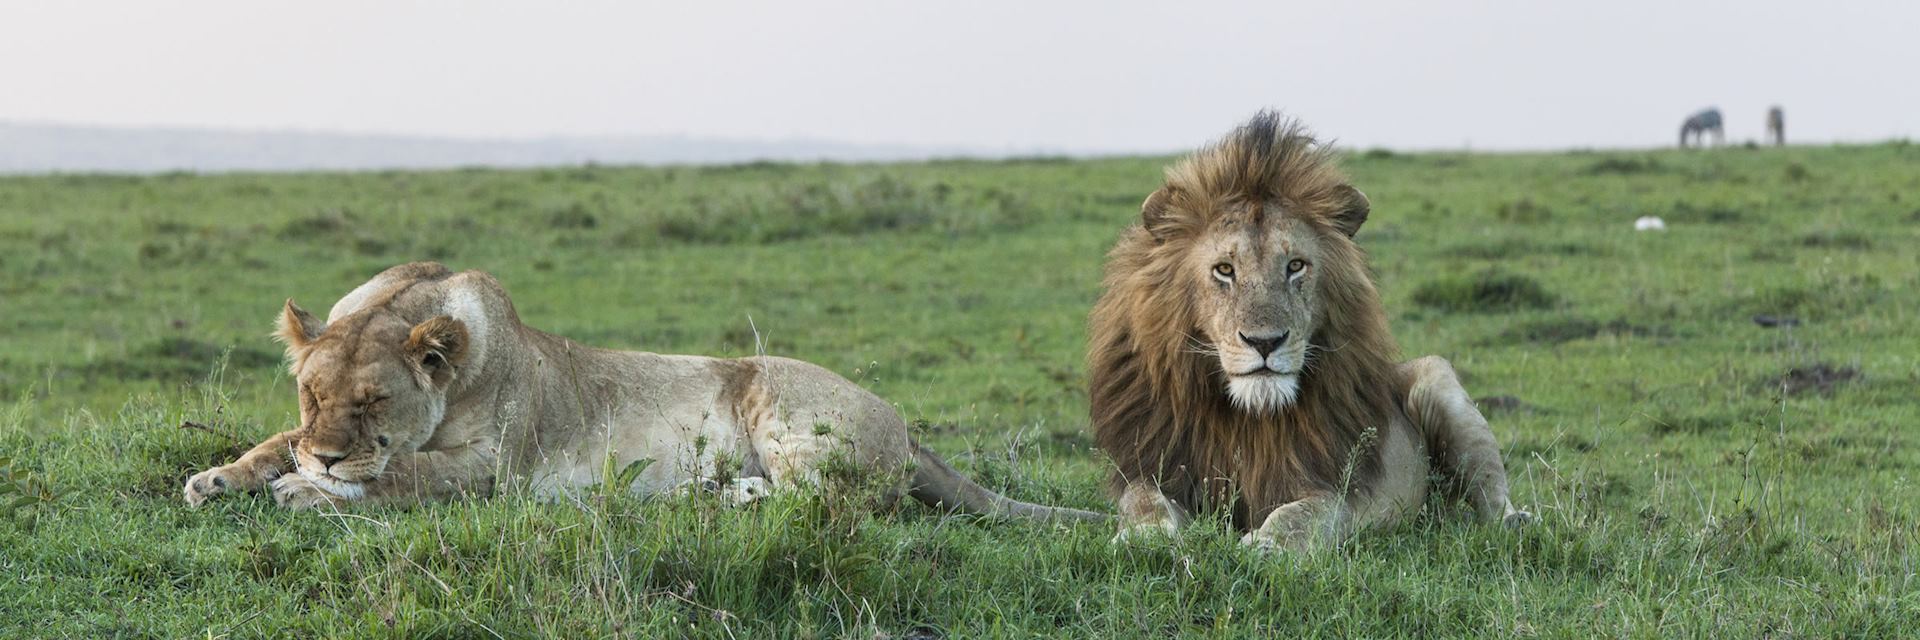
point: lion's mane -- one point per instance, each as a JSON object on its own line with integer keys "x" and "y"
{"x": 1159, "y": 407}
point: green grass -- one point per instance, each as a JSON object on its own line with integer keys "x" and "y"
{"x": 1681, "y": 491}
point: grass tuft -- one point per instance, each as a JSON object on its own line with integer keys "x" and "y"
{"x": 1489, "y": 291}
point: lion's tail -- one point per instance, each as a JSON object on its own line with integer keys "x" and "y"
{"x": 938, "y": 485}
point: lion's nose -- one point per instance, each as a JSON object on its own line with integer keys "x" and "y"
{"x": 1265, "y": 344}
{"x": 326, "y": 461}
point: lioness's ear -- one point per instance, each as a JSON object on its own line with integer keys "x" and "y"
{"x": 438, "y": 346}
{"x": 1156, "y": 216}
{"x": 1353, "y": 210}
{"x": 297, "y": 328}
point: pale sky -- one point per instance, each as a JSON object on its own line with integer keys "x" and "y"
{"x": 1055, "y": 76}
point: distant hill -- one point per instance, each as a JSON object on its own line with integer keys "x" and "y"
{"x": 46, "y": 148}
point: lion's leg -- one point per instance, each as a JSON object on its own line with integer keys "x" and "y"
{"x": 1464, "y": 444}
{"x": 413, "y": 477}
{"x": 1145, "y": 512}
{"x": 1302, "y": 525}
{"x": 255, "y": 468}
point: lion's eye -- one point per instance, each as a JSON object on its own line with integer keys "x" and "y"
{"x": 1224, "y": 270}
{"x": 1295, "y": 265}
{"x": 382, "y": 441}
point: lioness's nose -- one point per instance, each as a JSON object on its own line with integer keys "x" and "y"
{"x": 326, "y": 461}
{"x": 1265, "y": 344}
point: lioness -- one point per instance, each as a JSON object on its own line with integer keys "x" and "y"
{"x": 1240, "y": 359}
{"x": 423, "y": 384}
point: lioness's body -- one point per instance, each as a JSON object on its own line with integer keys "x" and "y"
{"x": 423, "y": 384}
{"x": 1240, "y": 361}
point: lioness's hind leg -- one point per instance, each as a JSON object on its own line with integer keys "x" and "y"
{"x": 1460, "y": 438}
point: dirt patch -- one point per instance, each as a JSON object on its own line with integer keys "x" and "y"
{"x": 1819, "y": 378}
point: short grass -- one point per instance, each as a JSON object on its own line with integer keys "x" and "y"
{"x": 1696, "y": 473}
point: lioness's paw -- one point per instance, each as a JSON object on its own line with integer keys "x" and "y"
{"x": 210, "y": 483}
{"x": 229, "y": 478}
{"x": 1517, "y": 520}
{"x": 295, "y": 492}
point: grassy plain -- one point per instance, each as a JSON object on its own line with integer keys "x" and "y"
{"x": 1696, "y": 473}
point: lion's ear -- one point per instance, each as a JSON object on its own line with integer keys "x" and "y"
{"x": 297, "y": 329}
{"x": 1157, "y": 216}
{"x": 1354, "y": 207}
{"x": 438, "y": 346}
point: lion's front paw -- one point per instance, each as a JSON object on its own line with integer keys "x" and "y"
{"x": 1261, "y": 543}
{"x": 1267, "y": 543}
{"x": 295, "y": 492}
{"x": 1146, "y": 532}
{"x": 1518, "y": 520}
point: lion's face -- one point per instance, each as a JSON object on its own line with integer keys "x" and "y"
{"x": 1260, "y": 274}
{"x": 371, "y": 387}
{"x": 1257, "y": 304}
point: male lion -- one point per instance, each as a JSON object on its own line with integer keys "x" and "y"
{"x": 423, "y": 384}
{"x": 1240, "y": 359}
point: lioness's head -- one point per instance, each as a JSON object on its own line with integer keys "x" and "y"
{"x": 1256, "y": 231}
{"x": 372, "y": 386}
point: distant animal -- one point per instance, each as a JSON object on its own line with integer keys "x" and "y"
{"x": 423, "y": 384}
{"x": 1240, "y": 360}
{"x": 1777, "y": 126}
{"x": 1699, "y": 124}
{"x": 1649, "y": 223}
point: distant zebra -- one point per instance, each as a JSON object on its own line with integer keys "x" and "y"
{"x": 1777, "y": 126}
{"x": 1699, "y": 125}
